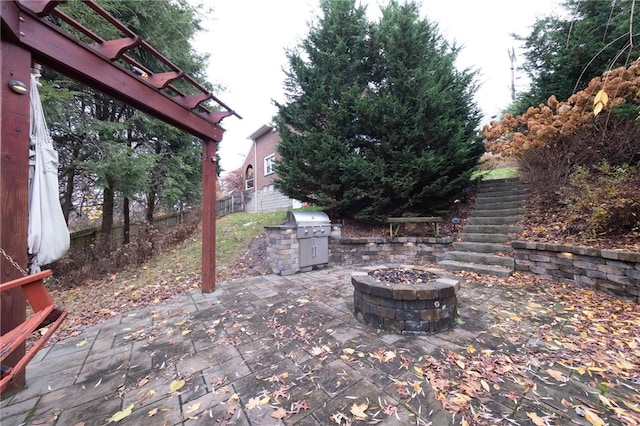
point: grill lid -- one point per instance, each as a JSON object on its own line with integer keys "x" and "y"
{"x": 306, "y": 218}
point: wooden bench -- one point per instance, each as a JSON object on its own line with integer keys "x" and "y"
{"x": 398, "y": 221}
{"x": 45, "y": 314}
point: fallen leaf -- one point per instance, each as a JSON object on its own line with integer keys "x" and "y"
{"x": 418, "y": 370}
{"x": 485, "y": 385}
{"x": 193, "y": 408}
{"x": 255, "y": 402}
{"x": 593, "y": 418}
{"x": 120, "y": 415}
{"x": 280, "y": 413}
{"x": 82, "y": 343}
{"x": 358, "y": 410}
{"x": 557, "y": 375}
{"x": 300, "y": 405}
{"x": 389, "y": 355}
{"x": 624, "y": 364}
{"x": 605, "y": 400}
{"x": 634, "y": 407}
{"x": 152, "y": 412}
{"x": 471, "y": 349}
{"x": 537, "y": 420}
{"x": 176, "y": 385}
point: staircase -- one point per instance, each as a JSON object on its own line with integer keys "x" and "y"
{"x": 486, "y": 238}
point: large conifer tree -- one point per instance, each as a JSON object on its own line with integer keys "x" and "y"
{"x": 378, "y": 122}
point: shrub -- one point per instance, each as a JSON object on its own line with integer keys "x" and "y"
{"x": 80, "y": 265}
{"x": 603, "y": 199}
{"x": 594, "y": 124}
{"x": 611, "y": 138}
{"x": 491, "y": 161}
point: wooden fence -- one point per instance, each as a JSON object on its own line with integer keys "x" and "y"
{"x": 86, "y": 237}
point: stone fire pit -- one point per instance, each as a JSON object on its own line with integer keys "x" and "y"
{"x": 405, "y": 299}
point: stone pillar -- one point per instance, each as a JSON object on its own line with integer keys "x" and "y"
{"x": 283, "y": 249}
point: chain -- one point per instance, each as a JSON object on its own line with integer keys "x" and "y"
{"x": 13, "y": 262}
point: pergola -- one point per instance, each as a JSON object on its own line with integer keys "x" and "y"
{"x": 29, "y": 36}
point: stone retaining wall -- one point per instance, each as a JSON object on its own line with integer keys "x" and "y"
{"x": 614, "y": 271}
{"x": 395, "y": 251}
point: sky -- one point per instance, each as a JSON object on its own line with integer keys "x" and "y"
{"x": 246, "y": 41}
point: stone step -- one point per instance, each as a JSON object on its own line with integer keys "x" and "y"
{"x": 482, "y": 247}
{"x": 481, "y": 195}
{"x": 499, "y": 186}
{"x": 484, "y": 238}
{"x": 499, "y": 205}
{"x": 452, "y": 265}
{"x": 492, "y": 229}
{"x": 494, "y": 220}
{"x": 482, "y": 189}
{"x": 481, "y": 258}
{"x": 497, "y": 213}
{"x": 490, "y": 199}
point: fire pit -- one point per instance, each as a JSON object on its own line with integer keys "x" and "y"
{"x": 406, "y": 299}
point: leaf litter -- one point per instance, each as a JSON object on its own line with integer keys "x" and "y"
{"x": 551, "y": 335}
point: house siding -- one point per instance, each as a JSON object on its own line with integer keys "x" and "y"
{"x": 263, "y": 197}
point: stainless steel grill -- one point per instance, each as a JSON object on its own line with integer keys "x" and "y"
{"x": 312, "y": 230}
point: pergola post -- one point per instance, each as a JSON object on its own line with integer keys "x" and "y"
{"x": 208, "y": 216}
{"x": 14, "y": 197}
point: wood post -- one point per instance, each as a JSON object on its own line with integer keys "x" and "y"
{"x": 208, "y": 215}
{"x": 14, "y": 197}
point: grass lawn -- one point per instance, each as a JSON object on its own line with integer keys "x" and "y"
{"x": 502, "y": 173}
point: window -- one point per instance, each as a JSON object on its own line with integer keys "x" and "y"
{"x": 249, "y": 177}
{"x": 269, "y": 164}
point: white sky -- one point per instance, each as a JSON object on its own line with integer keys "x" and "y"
{"x": 246, "y": 40}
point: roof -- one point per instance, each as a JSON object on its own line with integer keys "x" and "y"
{"x": 265, "y": 128}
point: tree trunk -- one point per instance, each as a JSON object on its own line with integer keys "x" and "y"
{"x": 127, "y": 222}
{"x": 107, "y": 219}
{"x": 151, "y": 205}
{"x": 67, "y": 197}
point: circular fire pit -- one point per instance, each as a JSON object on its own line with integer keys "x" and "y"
{"x": 407, "y": 299}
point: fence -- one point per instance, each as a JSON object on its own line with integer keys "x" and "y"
{"x": 231, "y": 204}
{"x": 85, "y": 237}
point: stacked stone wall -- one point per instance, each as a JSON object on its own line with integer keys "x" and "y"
{"x": 614, "y": 271}
{"x": 396, "y": 251}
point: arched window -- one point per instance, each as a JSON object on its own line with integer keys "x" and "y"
{"x": 249, "y": 177}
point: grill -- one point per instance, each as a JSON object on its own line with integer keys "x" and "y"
{"x": 312, "y": 232}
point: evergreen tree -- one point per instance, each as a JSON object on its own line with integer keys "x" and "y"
{"x": 167, "y": 160}
{"x": 563, "y": 54}
{"x": 326, "y": 77}
{"x": 380, "y": 122}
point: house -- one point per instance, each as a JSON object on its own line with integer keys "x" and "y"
{"x": 259, "y": 174}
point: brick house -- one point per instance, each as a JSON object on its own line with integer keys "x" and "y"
{"x": 259, "y": 174}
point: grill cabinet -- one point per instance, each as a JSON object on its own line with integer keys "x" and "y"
{"x": 312, "y": 231}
